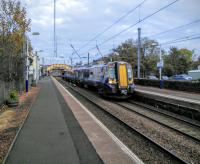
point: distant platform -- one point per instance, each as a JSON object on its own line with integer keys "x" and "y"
{"x": 185, "y": 99}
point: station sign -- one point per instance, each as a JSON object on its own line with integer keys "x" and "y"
{"x": 160, "y": 64}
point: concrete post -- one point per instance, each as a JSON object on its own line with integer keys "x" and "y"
{"x": 139, "y": 46}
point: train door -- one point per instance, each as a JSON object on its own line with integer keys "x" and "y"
{"x": 122, "y": 75}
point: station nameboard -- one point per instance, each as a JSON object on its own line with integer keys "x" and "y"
{"x": 160, "y": 64}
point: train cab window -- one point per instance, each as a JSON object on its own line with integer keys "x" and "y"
{"x": 130, "y": 72}
{"x": 111, "y": 72}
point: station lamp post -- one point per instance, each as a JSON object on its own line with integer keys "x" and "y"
{"x": 160, "y": 63}
{"x": 27, "y": 60}
{"x": 37, "y": 71}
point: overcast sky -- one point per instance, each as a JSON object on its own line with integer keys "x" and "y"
{"x": 78, "y": 21}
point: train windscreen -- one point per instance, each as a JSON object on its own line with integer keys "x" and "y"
{"x": 130, "y": 73}
{"x": 111, "y": 72}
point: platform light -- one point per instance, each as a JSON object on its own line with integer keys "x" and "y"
{"x": 35, "y": 33}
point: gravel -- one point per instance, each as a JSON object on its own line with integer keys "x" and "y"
{"x": 143, "y": 149}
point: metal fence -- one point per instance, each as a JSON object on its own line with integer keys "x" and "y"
{"x": 2, "y": 92}
{"x": 7, "y": 87}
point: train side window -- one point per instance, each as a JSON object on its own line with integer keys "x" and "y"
{"x": 86, "y": 73}
{"x": 105, "y": 74}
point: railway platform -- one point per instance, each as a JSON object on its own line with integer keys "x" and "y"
{"x": 60, "y": 130}
{"x": 179, "y": 94}
{"x": 179, "y": 98}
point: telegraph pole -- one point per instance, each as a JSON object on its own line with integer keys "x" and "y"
{"x": 88, "y": 59}
{"x": 139, "y": 49}
{"x": 99, "y": 51}
{"x": 27, "y": 63}
{"x": 71, "y": 61}
{"x": 43, "y": 61}
{"x": 161, "y": 63}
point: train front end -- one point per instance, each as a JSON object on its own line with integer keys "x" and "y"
{"x": 120, "y": 79}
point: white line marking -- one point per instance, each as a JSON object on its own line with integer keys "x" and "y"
{"x": 115, "y": 139}
{"x": 170, "y": 96}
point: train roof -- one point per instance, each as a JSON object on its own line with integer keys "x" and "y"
{"x": 86, "y": 67}
{"x": 97, "y": 65}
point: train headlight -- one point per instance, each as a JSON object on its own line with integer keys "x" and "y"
{"x": 130, "y": 81}
{"x": 112, "y": 81}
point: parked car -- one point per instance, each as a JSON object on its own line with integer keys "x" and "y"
{"x": 181, "y": 77}
{"x": 152, "y": 77}
{"x": 165, "y": 78}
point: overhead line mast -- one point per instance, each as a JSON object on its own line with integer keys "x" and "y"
{"x": 55, "y": 41}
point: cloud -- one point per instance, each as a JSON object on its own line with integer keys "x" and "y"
{"x": 71, "y": 5}
{"x": 107, "y": 11}
{"x": 81, "y": 20}
{"x": 41, "y": 12}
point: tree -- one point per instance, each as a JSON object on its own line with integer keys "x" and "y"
{"x": 127, "y": 52}
{"x": 195, "y": 64}
{"x": 149, "y": 55}
{"x": 150, "y": 64}
{"x": 13, "y": 26}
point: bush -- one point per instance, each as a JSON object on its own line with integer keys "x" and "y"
{"x": 13, "y": 96}
{"x": 189, "y": 86}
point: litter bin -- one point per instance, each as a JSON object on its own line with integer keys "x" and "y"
{"x": 161, "y": 84}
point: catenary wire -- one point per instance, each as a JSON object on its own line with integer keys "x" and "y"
{"x": 175, "y": 28}
{"x": 131, "y": 26}
{"x": 181, "y": 40}
{"x": 109, "y": 27}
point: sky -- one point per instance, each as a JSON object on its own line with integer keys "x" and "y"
{"x": 78, "y": 21}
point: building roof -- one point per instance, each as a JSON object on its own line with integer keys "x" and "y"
{"x": 195, "y": 70}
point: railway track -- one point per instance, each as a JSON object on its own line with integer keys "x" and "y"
{"x": 169, "y": 114}
{"x": 151, "y": 143}
{"x": 185, "y": 127}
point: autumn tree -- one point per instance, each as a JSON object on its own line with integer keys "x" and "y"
{"x": 13, "y": 26}
{"x": 127, "y": 51}
{"x": 196, "y": 64}
{"x": 178, "y": 61}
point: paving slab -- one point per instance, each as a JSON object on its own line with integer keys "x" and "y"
{"x": 45, "y": 137}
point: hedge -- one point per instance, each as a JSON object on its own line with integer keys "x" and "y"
{"x": 189, "y": 86}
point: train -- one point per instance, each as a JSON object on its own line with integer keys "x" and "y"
{"x": 114, "y": 79}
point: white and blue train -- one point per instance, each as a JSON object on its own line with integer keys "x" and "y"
{"x": 114, "y": 79}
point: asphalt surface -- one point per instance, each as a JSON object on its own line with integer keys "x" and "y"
{"x": 181, "y": 94}
{"x": 51, "y": 134}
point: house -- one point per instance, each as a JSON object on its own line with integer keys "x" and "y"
{"x": 195, "y": 74}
